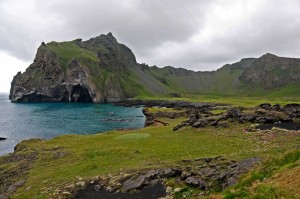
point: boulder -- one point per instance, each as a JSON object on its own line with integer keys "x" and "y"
{"x": 171, "y": 115}
{"x": 194, "y": 118}
{"x": 171, "y": 172}
{"x": 97, "y": 187}
{"x": 248, "y": 117}
{"x": 271, "y": 118}
{"x": 196, "y": 181}
{"x": 293, "y": 110}
{"x": 277, "y": 107}
{"x": 11, "y": 189}
{"x": 266, "y": 106}
{"x": 152, "y": 174}
{"x": 200, "y": 123}
{"x": 133, "y": 183}
{"x": 234, "y": 113}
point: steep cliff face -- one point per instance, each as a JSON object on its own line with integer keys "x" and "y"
{"x": 46, "y": 80}
{"x": 102, "y": 70}
{"x": 272, "y": 71}
{"x": 76, "y": 71}
{"x": 42, "y": 81}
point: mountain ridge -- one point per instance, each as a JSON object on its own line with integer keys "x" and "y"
{"x": 102, "y": 70}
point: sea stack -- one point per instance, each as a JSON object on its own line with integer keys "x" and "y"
{"x": 76, "y": 71}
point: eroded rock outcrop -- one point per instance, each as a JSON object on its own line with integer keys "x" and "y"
{"x": 262, "y": 114}
{"x": 205, "y": 174}
{"x": 77, "y": 71}
{"x": 272, "y": 71}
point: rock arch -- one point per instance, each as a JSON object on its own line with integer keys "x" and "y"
{"x": 80, "y": 94}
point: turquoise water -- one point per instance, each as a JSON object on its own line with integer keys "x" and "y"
{"x": 47, "y": 120}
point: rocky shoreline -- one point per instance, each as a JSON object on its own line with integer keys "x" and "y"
{"x": 168, "y": 104}
{"x": 205, "y": 174}
{"x": 201, "y": 114}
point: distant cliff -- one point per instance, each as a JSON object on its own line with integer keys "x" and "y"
{"x": 102, "y": 70}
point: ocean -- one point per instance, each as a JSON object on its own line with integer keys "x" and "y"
{"x": 23, "y": 121}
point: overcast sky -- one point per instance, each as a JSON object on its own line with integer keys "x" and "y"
{"x": 194, "y": 34}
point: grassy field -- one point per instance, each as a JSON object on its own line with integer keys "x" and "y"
{"x": 276, "y": 178}
{"x": 244, "y": 101}
{"x": 63, "y": 159}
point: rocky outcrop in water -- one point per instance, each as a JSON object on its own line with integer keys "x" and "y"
{"x": 46, "y": 81}
{"x": 77, "y": 71}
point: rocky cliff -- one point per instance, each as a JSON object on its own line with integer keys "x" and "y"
{"x": 76, "y": 71}
{"x": 102, "y": 70}
{"x": 272, "y": 71}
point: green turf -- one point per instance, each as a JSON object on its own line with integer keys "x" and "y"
{"x": 276, "y": 178}
{"x": 227, "y": 99}
{"x": 69, "y": 50}
{"x": 224, "y": 82}
{"x": 91, "y": 155}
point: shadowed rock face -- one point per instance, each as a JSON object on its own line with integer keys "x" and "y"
{"x": 46, "y": 80}
{"x": 42, "y": 81}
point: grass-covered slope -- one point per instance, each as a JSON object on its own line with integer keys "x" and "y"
{"x": 109, "y": 62}
{"x": 50, "y": 165}
{"x": 101, "y": 75}
{"x": 231, "y": 79}
{"x": 278, "y": 177}
{"x": 112, "y": 72}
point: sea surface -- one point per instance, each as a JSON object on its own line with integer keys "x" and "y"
{"x": 22, "y": 121}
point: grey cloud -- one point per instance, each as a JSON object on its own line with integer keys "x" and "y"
{"x": 160, "y": 32}
{"x": 274, "y": 28}
{"x": 140, "y": 24}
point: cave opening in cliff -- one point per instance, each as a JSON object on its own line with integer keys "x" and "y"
{"x": 80, "y": 94}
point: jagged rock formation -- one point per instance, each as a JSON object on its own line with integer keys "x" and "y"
{"x": 272, "y": 71}
{"x": 205, "y": 174}
{"x": 75, "y": 71}
{"x": 200, "y": 117}
{"x": 102, "y": 70}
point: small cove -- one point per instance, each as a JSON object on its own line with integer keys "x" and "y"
{"x": 22, "y": 121}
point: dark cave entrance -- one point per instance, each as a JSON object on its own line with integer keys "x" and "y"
{"x": 80, "y": 94}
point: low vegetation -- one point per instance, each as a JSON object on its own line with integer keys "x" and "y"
{"x": 65, "y": 159}
{"x": 244, "y": 101}
{"x": 278, "y": 177}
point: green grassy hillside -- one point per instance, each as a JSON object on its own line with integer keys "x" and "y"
{"x": 107, "y": 59}
{"x": 57, "y": 163}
